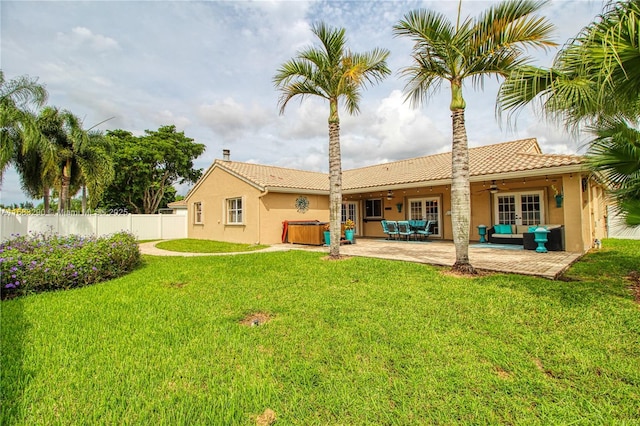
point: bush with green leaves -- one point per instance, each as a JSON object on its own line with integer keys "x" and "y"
{"x": 41, "y": 262}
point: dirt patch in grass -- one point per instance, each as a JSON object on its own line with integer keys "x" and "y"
{"x": 502, "y": 373}
{"x": 634, "y": 279}
{"x": 544, "y": 370}
{"x": 255, "y": 319}
{"x": 267, "y": 418}
{"x": 176, "y": 284}
{"x": 341, "y": 257}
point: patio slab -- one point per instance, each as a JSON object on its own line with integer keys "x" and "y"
{"x": 526, "y": 262}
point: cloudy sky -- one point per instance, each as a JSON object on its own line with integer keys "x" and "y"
{"x": 207, "y": 67}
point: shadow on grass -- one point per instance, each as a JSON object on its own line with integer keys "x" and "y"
{"x": 14, "y": 377}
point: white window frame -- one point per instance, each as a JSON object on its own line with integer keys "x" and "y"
{"x": 198, "y": 217}
{"x": 518, "y": 204}
{"x": 423, "y": 210}
{"x": 228, "y": 210}
{"x": 350, "y": 211}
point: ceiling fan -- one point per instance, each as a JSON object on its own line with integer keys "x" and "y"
{"x": 493, "y": 188}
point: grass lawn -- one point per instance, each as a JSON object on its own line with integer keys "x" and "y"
{"x": 190, "y": 245}
{"x": 352, "y": 342}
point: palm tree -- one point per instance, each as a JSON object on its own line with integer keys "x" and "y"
{"x": 95, "y": 161}
{"x": 490, "y": 46}
{"x": 17, "y": 121}
{"x": 64, "y": 142}
{"x": 594, "y": 82}
{"x": 615, "y": 155}
{"x": 336, "y": 74}
{"x": 595, "y": 76}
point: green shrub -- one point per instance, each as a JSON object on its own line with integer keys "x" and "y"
{"x": 39, "y": 262}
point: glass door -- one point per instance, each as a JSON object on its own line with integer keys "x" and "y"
{"x": 519, "y": 208}
{"x": 350, "y": 211}
{"x": 426, "y": 209}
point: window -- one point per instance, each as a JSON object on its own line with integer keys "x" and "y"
{"x": 197, "y": 212}
{"x": 373, "y": 208}
{"x": 234, "y": 210}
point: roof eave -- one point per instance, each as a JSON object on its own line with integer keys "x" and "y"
{"x": 284, "y": 190}
{"x": 572, "y": 168}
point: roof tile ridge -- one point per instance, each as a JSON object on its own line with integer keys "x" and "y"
{"x": 544, "y": 154}
{"x": 270, "y": 166}
{"x": 387, "y": 163}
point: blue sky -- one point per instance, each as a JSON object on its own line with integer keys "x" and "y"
{"x": 207, "y": 67}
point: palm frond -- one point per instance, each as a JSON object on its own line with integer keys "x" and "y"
{"x": 330, "y": 71}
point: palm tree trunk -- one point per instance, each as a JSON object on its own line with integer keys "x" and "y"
{"x": 46, "y": 196}
{"x": 84, "y": 199}
{"x": 64, "y": 187}
{"x": 460, "y": 193}
{"x": 335, "y": 180}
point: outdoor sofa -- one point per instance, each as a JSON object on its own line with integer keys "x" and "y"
{"x": 524, "y": 235}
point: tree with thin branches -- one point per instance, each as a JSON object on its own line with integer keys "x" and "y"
{"x": 491, "y": 45}
{"x": 332, "y": 72}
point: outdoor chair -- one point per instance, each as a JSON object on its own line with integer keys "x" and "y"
{"x": 404, "y": 229}
{"x": 392, "y": 229}
{"x": 417, "y": 225}
{"x": 424, "y": 233}
{"x": 385, "y": 228}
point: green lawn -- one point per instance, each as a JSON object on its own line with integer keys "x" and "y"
{"x": 351, "y": 342}
{"x": 190, "y": 245}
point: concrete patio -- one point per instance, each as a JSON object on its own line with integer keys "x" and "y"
{"x": 526, "y": 262}
{"x": 442, "y": 253}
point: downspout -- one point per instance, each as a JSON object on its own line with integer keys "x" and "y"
{"x": 265, "y": 192}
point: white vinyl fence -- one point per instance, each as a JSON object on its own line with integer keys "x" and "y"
{"x": 619, "y": 229}
{"x": 143, "y": 226}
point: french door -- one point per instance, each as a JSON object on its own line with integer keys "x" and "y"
{"x": 519, "y": 208}
{"x": 426, "y": 209}
{"x": 350, "y": 211}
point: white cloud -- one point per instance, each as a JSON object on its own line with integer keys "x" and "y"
{"x": 207, "y": 67}
{"x": 231, "y": 120}
{"x": 80, "y": 37}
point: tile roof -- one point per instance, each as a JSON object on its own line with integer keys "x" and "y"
{"x": 277, "y": 177}
{"x": 508, "y": 157}
{"x": 177, "y": 204}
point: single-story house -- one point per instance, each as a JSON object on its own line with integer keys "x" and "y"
{"x": 511, "y": 183}
{"x": 177, "y": 207}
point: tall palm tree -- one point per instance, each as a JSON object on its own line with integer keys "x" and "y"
{"x": 594, "y": 82}
{"x": 64, "y": 141}
{"x": 490, "y": 46}
{"x": 17, "y": 120}
{"x": 334, "y": 73}
{"x": 95, "y": 161}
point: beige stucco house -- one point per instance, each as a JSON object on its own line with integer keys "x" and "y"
{"x": 512, "y": 182}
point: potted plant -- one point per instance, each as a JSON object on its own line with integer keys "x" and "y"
{"x": 558, "y": 196}
{"x": 327, "y": 233}
{"x": 349, "y": 226}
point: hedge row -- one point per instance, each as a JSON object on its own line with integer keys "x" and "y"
{"x": 39, "y": 262}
